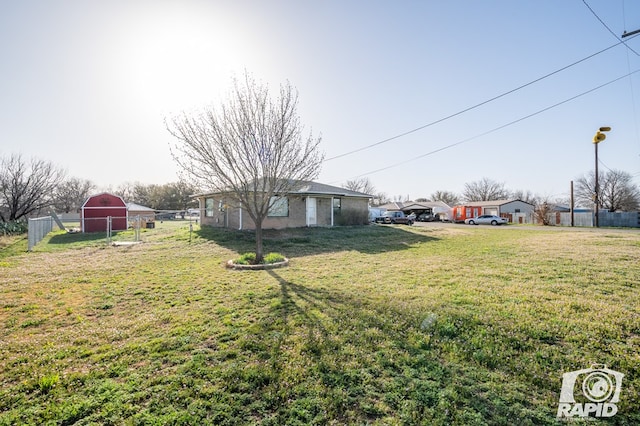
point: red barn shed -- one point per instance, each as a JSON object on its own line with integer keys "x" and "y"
{"x": 96, "y": 210}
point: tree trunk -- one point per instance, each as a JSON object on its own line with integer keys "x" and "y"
{"x": 259, "y": 249}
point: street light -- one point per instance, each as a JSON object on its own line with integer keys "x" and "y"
{"x": 599, "y": 137}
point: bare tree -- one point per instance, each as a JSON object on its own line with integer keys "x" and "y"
{"x": 252, "y": 149}
{"x": 180, "y": 194}
{"x": 526, "y": 196}
{"x": 126, "y": 190}
{"x": 617, "y": 191}
{"x": 447, "y": 197}
{"x": 72, "y": 193}
{"x": 543, "y": 211}
{"x": 168, "y": 196}
{"x": 363, "y": 185}
{"x": 484, "y": 189}
{"x": 26, "y": 187}
{"x": 380, "y": 198}
{"x": 143, "y": 194}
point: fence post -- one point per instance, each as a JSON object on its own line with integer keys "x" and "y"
{"x": 137, "y": 227}
{"x": 108, "y": 229}
{"x": 31, "y": 234}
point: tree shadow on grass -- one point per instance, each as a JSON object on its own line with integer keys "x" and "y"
{"x": 310, "y": 241}
{"x": 346, "y": 359}
{"x": 76, "y": 237}
{"x": 331, "y": 355}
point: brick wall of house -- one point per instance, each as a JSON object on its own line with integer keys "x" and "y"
{"x": 230, "y": 216}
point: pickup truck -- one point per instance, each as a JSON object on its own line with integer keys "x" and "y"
{"x": 395, "y": 217}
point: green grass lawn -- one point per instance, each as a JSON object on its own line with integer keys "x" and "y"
{"x": 371, "y": 325}
{"x": 12, "y": 245}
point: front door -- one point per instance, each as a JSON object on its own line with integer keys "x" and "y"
{"x": 311, "y": 212}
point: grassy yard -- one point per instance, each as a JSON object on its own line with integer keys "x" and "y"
{"x": 372, "y": 325}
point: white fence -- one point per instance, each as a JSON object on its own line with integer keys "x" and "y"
{"x": 579, "y": 219}
{"x": 38, "y": 229}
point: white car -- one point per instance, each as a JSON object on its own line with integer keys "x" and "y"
{"x": 486, "y": 219}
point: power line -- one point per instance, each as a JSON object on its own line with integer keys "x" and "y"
{"x": 633, "y": 102}
{"x": 607, "y": 27}
{"x": 633, "y": 97}
{"x": 605, "y": 166}
{"x": 496, "y": 128}
{"x": 440, "y": 120}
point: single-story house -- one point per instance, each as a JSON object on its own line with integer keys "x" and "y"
{"x": 393, "y": 206}
{"x": 146, "y": 214}
{"x": 514, "y": 210}
{"x": 313, "y": 204}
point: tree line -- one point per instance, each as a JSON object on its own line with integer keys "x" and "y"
{"x": 33, "y": 186}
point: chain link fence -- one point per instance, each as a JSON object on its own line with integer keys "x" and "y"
{"x": 38, "y": 228}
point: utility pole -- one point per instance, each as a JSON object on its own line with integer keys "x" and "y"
{"x": 571, "y": 206}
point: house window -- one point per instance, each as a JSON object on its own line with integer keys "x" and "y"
{"x": 337, "y": 205}
{"x": 517, "y": 210}
{"x": 208, "y": 207}
{"x": 279, "y": 207}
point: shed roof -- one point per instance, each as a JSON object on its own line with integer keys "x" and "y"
{"x": 104, "y": 200}
{"x": 139, "y": 208}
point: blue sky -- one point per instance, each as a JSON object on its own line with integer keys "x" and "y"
{"x": 87, "y": 84}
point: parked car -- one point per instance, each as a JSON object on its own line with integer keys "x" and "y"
{"x": 426, "y": 217}
{"x": 394, "y": 217}
{"x": 486, "y": 219}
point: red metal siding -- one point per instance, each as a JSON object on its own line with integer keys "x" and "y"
{"x": 96, "y": 210}
{"x": 460, "y": 213}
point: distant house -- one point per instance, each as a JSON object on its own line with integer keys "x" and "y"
{"x": 560, "y": 208}
{"x": 313, "y": 204}
{"x": 146, "y": 214}
{"x": 393, "y": 206}
{"x": 517, "y": 211}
